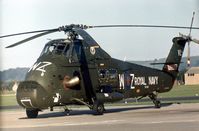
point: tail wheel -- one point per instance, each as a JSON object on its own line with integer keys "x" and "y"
{"x": 32, "y": 113}
{"x": 98, "y": 107}
{"x": 153, "y": 97}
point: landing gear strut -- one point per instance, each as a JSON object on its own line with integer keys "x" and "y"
{"x": 153, "y": 97}
{"x": 67, "y": 111}
{"x": 98, "y": 107}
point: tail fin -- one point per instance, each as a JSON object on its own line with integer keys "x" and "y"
{"x": 175, "y": 55}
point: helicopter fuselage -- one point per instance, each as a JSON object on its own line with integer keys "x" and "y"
{"x": 99, "y": 76}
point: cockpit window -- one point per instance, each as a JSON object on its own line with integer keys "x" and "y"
{"x": 73, "y": 51}
{"x": 66, "y": 51}
{"x": 51, "y": 48}
{"x": 76, "y": 52}
{"x": 57, "y": 47}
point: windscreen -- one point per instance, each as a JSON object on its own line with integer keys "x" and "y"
{"x": 57, "y": 47}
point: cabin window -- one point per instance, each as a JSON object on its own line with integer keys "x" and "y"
{"x": 108, "y": 73}
{"x": 108, "y": 79}
{"x": 103, "y": 73}
{"x": 112, "y": 73}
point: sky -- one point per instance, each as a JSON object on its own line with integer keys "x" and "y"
{"x": 130, "y": 43}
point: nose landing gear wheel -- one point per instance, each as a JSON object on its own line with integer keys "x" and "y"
{"x": 31, "y": 113}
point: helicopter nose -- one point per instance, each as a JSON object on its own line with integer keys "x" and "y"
{"x": 30, "y": 95}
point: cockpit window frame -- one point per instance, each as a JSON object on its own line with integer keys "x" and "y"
{"x": 56, "y": 44}
{"x": 71, "y": 50}
{"x": 76, "y": 52}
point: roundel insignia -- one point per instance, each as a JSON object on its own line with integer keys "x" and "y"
{"x": 92, "y": 50}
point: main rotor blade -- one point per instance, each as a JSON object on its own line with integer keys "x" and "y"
{"x": 144, "y": 26}
{"x": 30, "y": 32}
{"x": 32, "y": 37}
{"x": 88, "y": 39}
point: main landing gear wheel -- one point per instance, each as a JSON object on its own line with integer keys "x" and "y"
{"x": 156, "y": 102}
{"x": 67, "y": 111}
{"x": 98, "y": 107}
{"x": 32, "y": 113}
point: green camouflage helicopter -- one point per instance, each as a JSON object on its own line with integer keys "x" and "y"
{"x": 78, "y": 71}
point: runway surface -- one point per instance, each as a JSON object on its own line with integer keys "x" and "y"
{"x": 174, "y": 117}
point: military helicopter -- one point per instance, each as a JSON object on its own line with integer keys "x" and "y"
{"x": 78, "y": 71}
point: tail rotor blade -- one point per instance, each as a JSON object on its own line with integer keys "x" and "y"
{"x": 191, "y": 24}
{"x": 189, "y": 37}
{"x": 188, "y": 55}
{"x": 195, "y": 40}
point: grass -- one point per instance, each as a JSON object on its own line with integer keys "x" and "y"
{"x": 182, "y": 91}
{"x": 6, "y": 92}
{"x": 9, "y": 98}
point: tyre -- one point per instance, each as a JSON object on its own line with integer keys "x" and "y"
{"x": 98, "y": 107}
{"x": 31, "y": 113}
{"x": 157, "y": 104}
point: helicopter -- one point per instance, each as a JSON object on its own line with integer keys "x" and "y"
{"x": 77, "y": 70}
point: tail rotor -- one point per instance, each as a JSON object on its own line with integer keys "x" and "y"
{"x": 189, "y": 39}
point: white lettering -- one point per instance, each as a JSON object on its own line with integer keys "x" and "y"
{"x": 40, "y": 67}
{"x": 153, "y": 80}
{"x": 132, "y": 79}
{"x": 121, "y": 80}
{"x": 34, "y": 66}
{"x": 139, "y": 81}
